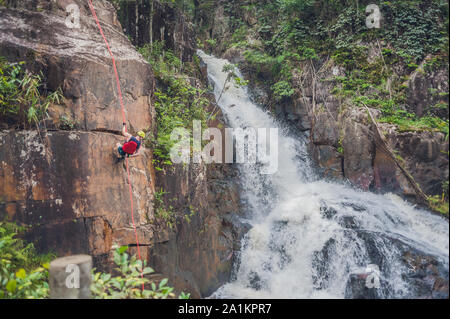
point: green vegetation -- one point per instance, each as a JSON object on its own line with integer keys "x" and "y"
{"x": 161, "y": 211}
{"x": 440, "y": 203}
{"x": 23, "y": 100}
{"x": 410, "y": 122}
{"x": 128, "y": 283}
{"x": 165, "y": 214}
{"x": 281, "y": 90}
{"x": 293, "y": 33}
{"x": 23, "y": 273}
{"x": 177, "y": 102}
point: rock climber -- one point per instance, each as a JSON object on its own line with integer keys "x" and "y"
{"x": 132, "y": 146}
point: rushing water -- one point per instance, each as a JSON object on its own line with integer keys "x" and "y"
{"x": 307, "y": 235}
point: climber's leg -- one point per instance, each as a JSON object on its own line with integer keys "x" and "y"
{"x": 122, "y": 154}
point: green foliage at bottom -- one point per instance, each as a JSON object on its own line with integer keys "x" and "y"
{"x": 23, "y": 273}
{"x": 130, "y": 280}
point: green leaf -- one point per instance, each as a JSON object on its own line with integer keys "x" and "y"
{"x": 11, "y": 286}
{"x": 21, "y": 273}
{"x": 163, "y": 283}
{"x": 148, "y": 270}
{"x": 122, "y": 249}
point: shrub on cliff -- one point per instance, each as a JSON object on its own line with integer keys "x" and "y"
{"x": 23, "y": 273}
{"x": 22, "y": 101}
{"x": 177, "y": 101}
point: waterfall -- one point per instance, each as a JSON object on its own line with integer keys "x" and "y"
{"x": 309, "y": 236}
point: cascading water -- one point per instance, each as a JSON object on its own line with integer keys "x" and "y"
{"x": 309, "y": 236}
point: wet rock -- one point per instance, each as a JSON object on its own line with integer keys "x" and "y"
{"x": 328, "y": 160}
{"x": 354, "y": 206}
{"x": 440, "y": 288}
{"x": 327, "y": 212}
{"x": 321, "y": 260}
{"x": 357, "y": 288}
{"x": 255, "y": 281}
{"x": 426, "y": 274}
{"x": 348, "y": 222}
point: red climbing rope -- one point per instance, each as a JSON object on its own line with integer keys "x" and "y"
{"x": 91, "y": 6}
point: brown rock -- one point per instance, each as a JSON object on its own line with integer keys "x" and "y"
{"x": 76, "y": 60}
{"x": 325, "y": 130}
{"x": 424, "y": 92}
{"x": 329, "y": 160}
{"x": 77, "y": 199}
{"x": 424, "y": 155}
{"x": 359, "y": 150}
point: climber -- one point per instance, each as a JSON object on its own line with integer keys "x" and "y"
{"x": 132, "y": 147}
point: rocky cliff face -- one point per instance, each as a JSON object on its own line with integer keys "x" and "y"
{"x": 69, "y": 189}
{"x": 66, "y": 181}
{"x": 76, "y": 60}
{"x": 66, "y": 185}
{"x": 148, "y": 21}
{"x": 343, "y": 140}
{"x": 199, "y": 255}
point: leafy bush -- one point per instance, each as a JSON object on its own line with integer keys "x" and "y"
{"x": 290, "y": 6}
{"x": 128, "y": 283}
{"x": 282, "y": 90}
{"x": 177, "y": 102}
{"x": 21, "y": 100}
{"x": 265, "y": 65}
{"x": 23, "y": 273}
{"x": 410, "y": 122}
{"x": 414, "y": 29}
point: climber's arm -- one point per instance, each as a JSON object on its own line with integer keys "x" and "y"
{"x": 138, "y": 153}
{"x": 124, "y": 131}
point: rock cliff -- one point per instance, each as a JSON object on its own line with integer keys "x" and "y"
{"x": 65, "y": 184}
{"x": 147, "y": 21}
